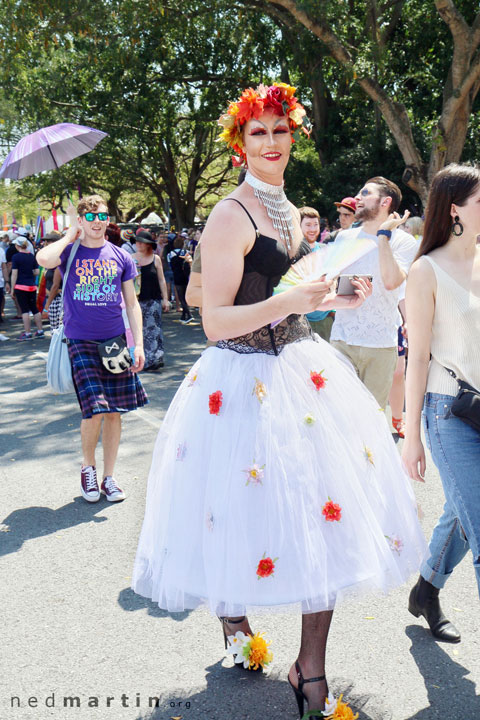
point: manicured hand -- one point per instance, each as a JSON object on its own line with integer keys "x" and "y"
{"x": 307, "y": 297}
{"x": 363, "y": 291}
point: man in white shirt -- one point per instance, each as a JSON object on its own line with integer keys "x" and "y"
{"x": 368, "y": 335}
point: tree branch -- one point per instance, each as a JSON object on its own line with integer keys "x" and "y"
{"x": 475, "y": 32}
{"x": 389, "y": 29}
{"x": 394, "y": 113}
{"x": 459, "y": 94}
{"x": 453, "y": 18}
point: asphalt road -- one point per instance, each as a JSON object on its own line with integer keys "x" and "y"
{"x": 72, "y": 627}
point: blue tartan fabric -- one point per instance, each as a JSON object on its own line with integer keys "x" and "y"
{"x": 99, "y": 391}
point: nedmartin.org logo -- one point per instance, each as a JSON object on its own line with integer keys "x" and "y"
{"x": 57, "y": 700}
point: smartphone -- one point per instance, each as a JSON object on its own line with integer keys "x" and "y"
{"x": 344, "y": 283}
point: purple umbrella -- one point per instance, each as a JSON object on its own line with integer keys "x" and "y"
{"x": 48, "y": 148}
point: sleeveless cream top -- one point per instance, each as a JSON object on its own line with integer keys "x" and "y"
{"x": 455, "y": 335}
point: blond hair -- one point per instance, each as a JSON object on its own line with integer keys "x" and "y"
{"x": 89, "y": 203}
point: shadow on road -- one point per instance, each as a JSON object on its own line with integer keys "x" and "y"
{"x": 238, "y": 695}
{"x": 33, "y": 522}
{"x": 130, "y": 601}
{"x": 450, "y": 693}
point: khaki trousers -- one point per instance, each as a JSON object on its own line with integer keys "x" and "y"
{"x": 374, "y": 367}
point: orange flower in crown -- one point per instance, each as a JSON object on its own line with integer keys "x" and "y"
{"x": 278, "y": 97}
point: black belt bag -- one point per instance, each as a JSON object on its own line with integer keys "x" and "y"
{"x": 466, "y": 405}
{"x": 115, "y": 355}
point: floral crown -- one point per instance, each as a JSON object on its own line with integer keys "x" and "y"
{"x": 280, "y": 97}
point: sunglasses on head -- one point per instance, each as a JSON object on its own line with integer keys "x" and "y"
{"x": 90, "y": 216}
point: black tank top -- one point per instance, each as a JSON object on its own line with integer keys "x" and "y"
{"x": 264, "y": 265}
{"x": 150, "y": 287}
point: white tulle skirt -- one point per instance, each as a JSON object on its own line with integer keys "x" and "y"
{"x": 279, "y": 491}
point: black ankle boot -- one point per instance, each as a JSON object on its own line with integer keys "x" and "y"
{"x": 424, "y": 601}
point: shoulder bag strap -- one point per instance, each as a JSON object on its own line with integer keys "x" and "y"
{"x": 73, "y": 252}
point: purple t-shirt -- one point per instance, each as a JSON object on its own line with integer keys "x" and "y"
{"x": 92, "y": 297}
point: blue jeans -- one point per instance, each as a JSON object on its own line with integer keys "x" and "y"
{"x": 455, "y": 449}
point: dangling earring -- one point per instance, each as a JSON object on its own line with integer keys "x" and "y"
{"x": 457, "y": 227}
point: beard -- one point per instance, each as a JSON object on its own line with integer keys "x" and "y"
{"x": 366, "y": 214}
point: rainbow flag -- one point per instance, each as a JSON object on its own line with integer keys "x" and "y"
{"x": 38, "y": 228}
{"x": 42, "y": 289}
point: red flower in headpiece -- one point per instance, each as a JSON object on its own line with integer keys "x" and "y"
{"x": 249, "y": 106}
{"x": 274, "y": 99}
{"x": 215, "y": 402}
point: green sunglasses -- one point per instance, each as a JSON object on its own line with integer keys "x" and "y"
{"x": 90, "y": 217}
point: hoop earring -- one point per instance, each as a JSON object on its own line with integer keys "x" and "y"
{"x": 457, "y": 227}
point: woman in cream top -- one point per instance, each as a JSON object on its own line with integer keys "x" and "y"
{"x": 443, "y": 311}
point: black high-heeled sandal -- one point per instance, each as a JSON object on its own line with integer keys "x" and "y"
{"x": 301, "y": 697}
{"x": 229, "y": 621}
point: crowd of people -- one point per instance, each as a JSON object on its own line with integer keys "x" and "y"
{"x": 172, "y": 253}
{"x": 275, "y": 451}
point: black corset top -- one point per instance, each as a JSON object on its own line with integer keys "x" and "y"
{"x": 264, "y": 265}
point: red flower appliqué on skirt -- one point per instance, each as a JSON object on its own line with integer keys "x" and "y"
{"x": 332, "y": 511}
{"x": 266, "y": 567}
{"x": 215, "y": 402}
{"x": 318, "y": 379}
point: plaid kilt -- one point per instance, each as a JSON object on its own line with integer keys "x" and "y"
{"x": 100, "y": 391}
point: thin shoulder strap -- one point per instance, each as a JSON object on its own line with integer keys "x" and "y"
{"x": 243, "y": 206}
{"x": 450, "y": 372}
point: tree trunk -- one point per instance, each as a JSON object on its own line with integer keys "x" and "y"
{"x": 320, "y": 109}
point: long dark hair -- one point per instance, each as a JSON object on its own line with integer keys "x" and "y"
{"x": 454, "y": 184}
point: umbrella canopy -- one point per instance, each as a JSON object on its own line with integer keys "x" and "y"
{"x": 48, "y": 148}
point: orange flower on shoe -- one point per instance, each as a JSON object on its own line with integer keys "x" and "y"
{"x": 331, "y": 511}
{"x": 318, "y": 379}
{"x": 342, "y": 711}
{"x": 215, "y": 402}
{"x": 266, "y": 567}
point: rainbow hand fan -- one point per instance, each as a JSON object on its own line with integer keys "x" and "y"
{"x": 328, "y": 260}
{"x": 307, "y": 269}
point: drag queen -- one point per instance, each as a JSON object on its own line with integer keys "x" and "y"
{"x": 274, "y": 479}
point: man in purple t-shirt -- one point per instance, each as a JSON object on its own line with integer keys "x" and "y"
{"x": 100, "y": 274}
